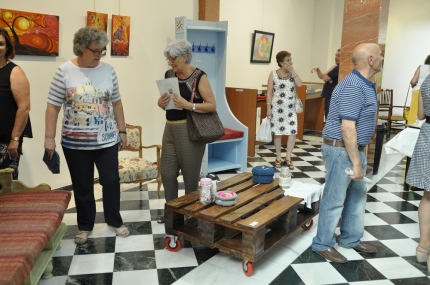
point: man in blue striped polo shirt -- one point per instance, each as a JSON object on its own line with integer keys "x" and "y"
{"x": 349, "y": 128}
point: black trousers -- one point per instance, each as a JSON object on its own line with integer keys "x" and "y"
{"x": 326, "y": 107}
{"x": 81, "y": 167}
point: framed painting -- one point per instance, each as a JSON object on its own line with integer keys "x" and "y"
{"x": 120, "y": 35}
{"x": 262, "y": 46}
{"x": 31, "y": 33}
{"x": 97, "y": 20}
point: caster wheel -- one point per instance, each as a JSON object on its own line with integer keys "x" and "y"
{"x": 308, "y": 225}
{"x": 247, "y": 267}
{"x": 173, "y": 246}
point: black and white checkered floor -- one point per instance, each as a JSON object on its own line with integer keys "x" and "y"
{"x": 391, "y": 224}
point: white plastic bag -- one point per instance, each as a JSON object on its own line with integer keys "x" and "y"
{"x": 264, "y": 133}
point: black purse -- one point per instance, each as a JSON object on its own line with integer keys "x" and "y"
{"x": 203, "y": 127}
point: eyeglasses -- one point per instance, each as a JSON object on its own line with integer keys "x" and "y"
{"x": 171, "y": 59}
{"x": 98, "y": 52}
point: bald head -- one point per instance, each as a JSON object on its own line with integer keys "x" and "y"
{"x": 361, "y": 52}
{"x": 367, "y": 59}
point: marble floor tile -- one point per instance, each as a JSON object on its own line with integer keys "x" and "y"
{"x": 67, "y": 248}
{"x": 373, "y": 220}
{"x": 135, "y": 260}
{"x": 134, "y": 243}
{"x": 394, "y": 218}
{"x": 358, "y": 270}
{"x": 149, "y": 277}
{"x": 211, "y": 274}
{"x": 136, "y": 195}
{"x": 386, "y": 197}
{"x": 56, "y": 280}
{"x": 411, "y": 215}
{"x": 322, "y": 273}
{"x": 92, "y": 263}
{"x": 395, "y": 267}
{"x": 135, "y": 215}
{"x": 410, "y": 230}
{"x": 402, "y": 247}
{"x": 378, "y": 207}
{"x": 182, "y": 258}
{"x": 384, "y": 232}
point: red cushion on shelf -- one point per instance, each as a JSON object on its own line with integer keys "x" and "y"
{"x": 231, "y": 134}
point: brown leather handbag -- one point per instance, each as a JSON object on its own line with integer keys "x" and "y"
{"x": 203, "y": 127}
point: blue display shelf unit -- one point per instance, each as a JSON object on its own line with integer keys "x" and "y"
{"x": 225, "y": 154}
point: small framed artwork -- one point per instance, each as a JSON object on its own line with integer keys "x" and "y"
{"x": 262, "y": 46}
{"x": 97, "y": 20}
{"x": 120, "y": 35}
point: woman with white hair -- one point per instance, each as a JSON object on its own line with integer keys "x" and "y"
{"x": 88, "y": 90}
{"x": 179, "y": 152}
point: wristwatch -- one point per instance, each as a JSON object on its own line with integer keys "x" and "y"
{"x": 15, "y": 139}
{"x": 194, "y": 107}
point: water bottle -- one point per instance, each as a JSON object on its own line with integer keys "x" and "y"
{"x": 285, "y": 177}
{"x": 205, "y": 190}
{"x": 214, "y": 182}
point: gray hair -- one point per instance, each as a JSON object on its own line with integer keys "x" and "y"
{"x": 179, "y": 48}
{"x": 86, "y": 36}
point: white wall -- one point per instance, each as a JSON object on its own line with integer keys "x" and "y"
{"x": 152, "y": 27}
{"x": 408, "y": 44}
{"x": 311, "y": 30}
{"x": 290, "y": 20}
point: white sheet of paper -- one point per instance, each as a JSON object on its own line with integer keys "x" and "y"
{"x": 169, "y": 85}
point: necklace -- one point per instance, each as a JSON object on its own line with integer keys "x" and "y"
{"x": 7, "y": 61}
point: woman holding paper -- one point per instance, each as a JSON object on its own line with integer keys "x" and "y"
{"x": 179, "y": 152}
{"x": 88, "y": 90}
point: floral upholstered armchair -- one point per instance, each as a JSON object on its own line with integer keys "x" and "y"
{"x": 136, "y": 169}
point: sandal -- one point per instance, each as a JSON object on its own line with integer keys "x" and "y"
{"x": 122, "y": 231}
{"x": 160, "y": 220}
{"x": 422, "y": 256}
{"x": 82, "y": 237}
{"x": 289, "y": 164}
{"x": 278, "y": 163}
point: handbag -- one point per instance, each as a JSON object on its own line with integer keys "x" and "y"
{"x": 299, "y": 105}
{"x": 203, "y": 127}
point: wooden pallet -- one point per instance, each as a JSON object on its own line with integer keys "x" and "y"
{"x": 261, "y": 217}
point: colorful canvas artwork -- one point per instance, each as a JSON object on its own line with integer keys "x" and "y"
{"x": 262, "y": 46}
{"x": 97, "y": 20}
{"x": 120, "y": 35}
{"x": 31, "y": 33}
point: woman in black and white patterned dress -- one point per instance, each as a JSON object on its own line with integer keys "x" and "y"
{"x": 419, "y": 173}
{"x": 281, "y": 93}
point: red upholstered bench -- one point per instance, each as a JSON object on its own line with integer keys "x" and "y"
{"x": 30, "y": 230}
{"x": 231, "y": 134}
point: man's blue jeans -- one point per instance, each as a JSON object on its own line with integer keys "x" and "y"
{"x": 342, "y": 197}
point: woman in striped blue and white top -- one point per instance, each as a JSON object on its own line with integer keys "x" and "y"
{"x": 88, "y": 91}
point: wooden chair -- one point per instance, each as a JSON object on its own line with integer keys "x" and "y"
{"x": 136, "y": 169}
{"x": 385, "y": 110}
